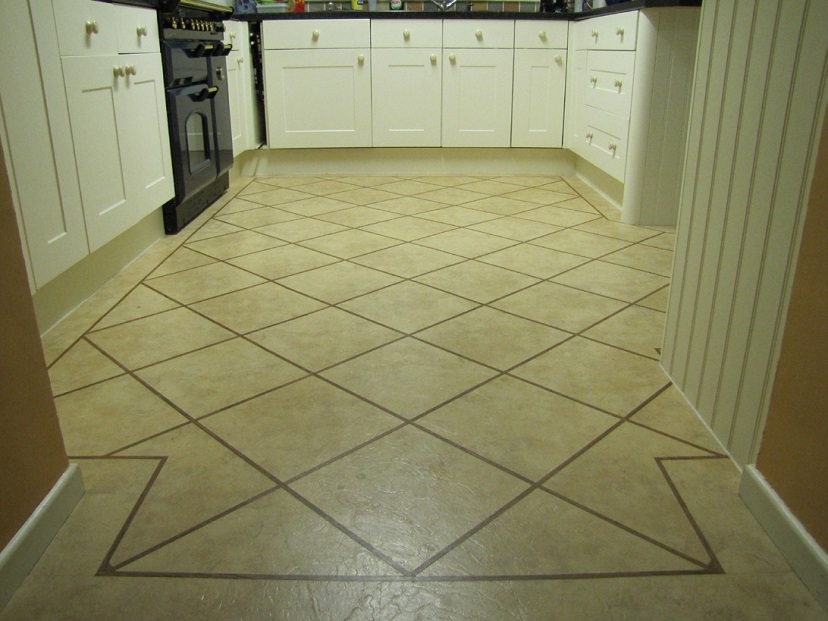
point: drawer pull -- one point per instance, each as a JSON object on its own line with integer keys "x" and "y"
{"x": 620, "y": 31}
{"x": 315, "y": 35}
{"x": 478, "y": 34}
{"x": 92, "y": 28}
{"x": 131, "y": 70}
{"x": 613, "y": 147}
{"x": 593, "y": 80}
{"x": 232, "y": 35}
{"x": 361, "y": 59}
{"x": 118, "y": 72}
{"x": 433, "y": 59}
{"x": 542, "y": 35}
{"x": 452, "y": 58}
{"x": 558, "y": 59}
{"x": 618, "y": 83}
{"x": 595, "y": 33}
{"x": 406, "y": 34}
{"x": 142, "y": 31}
{"x": 589, "y": 136}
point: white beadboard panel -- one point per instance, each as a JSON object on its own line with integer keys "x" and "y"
{"x": 760, "y": 91}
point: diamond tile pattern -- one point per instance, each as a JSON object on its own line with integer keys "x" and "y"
{"x": 386, "y": 398}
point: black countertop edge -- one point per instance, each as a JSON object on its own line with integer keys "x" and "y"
{"x": 630, "y": 5}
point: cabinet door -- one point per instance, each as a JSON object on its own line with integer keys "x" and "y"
{"x": 85, "y": 28}
{"x": 406, "y": 85}
{"x": 477, "y": 97}
{"x": 573, "y": 127}
{"x": 538, "y": 102}
{"x": 318, "y": 98}
{"x": 237, "y": 100}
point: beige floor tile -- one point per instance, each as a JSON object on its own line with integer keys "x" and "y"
{"x": 515, "y": 228}
{"x": 577, "y": 204}
{"x": 466, "y": 243}
{"x": 524, "y": 428}
{"x": 237, "y": 205}
{"x": 357, "y": 216}
{"x": 558, "y": 216}
{"x": 408, "y": 260}
{"x": 408, "y": 228}
{"x": 619, "y": 477}
{"x": 140, "y": 302}
{"x": 204, "y": 282}
{"x": 271, "y": 197}
{"x": 181, "y": 260}
{"x": 80, "y": 366}
{"x": 325, "y": 338}
{"x": 447, "y": 180}
{"x": 477, "y": 281}
{"x": 300, "y": 427}
{"x": 490, "y": 187}
{"x": 146, "y": 341}
{"x": 111, "y": 415}
{"x": 657, "y": 301}
{"x": 254, "y": 218}
{"x": 408, "y": 306}
{"x": 409, "y": 187}
{"x": 338, "y": 282}
{"x": 625, "y": 232}
{"x": 457, "y": 216}
{"x": 314, "y": 206}
{"x": 369, "y": 181}
{"x": 275, "y": 534}
{"x": 326, "y": 187}
{"x": 546, "y": 536}
{"x": 200, "y": 478}
{"x": 596, "y": 374}
{"x": 257, "y": 307}
{"x": 539, "y": 196}
{"x": 219, "y": 376}
{"x": 288, "y": 181}
{"x": 643, "y": 258}
{"x": 408, "y": 377}
{"x": 635, "y": 329}
{"x": 300, "y": 230}
{"x": 665, "y": 241}
{"x": 258, "y": 185}
{"x": 501, "y": 205}
{"x": 452, "y": 196}
{"x": 614, "y": 281}
{"x": 282, "y": 261}
{"x": 559, "y": 306}
{"x": 213, "y": 228}
{"x": 408, "y": 205}
{"x": 234, "y": 244}
{"x": 363, "y": 196}
{"x": 559, "y": 186}
{"x": 527, "y": 181}
{"x": 533, "y": 260}
{"x": 494, "y": 338}
{"x": 420, "y": 493}
{"x": 348, "y": 244}
{"x": 581, "y": 243}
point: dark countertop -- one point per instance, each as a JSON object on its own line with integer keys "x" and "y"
{"x": 630, "y": 5}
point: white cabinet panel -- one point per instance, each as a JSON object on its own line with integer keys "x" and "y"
{"x": 542, "y": 35}
{"x": 407, "y": 101}
{"x": 479, "y": 33}
{"x": 605, "y": 140}
{"x": 316, "y": 34}
{"x": 238, "y": 102}
{"x": 137, "y": 30}
{"x": 608, "y": 32}
{"x": 318, "y": 98}
{"x": 477, "y": 97}
{"x": 609, "y": 83}
{"x": 538, "y": 101}
{"x": 406, "y": 33}
{"x": 85, "y": 28}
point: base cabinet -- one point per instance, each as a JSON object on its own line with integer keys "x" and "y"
{"x": 538, "y": 102}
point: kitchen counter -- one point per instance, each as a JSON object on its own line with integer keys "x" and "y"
{"x": 631, "y": 5}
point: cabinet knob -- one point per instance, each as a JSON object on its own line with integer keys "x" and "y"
{"x": 241, "y": 59}
{"x": 361, "y": 59}
{"x": 589, "y": 136}
{"x": 542, "y": 35}
{"x": 452, "y": 58}
{"x": 558, "y": 59}
{"x": 232, "y": 35}
{"x": 118, "y": 72}
{"x": 131, "y": 70}
{"x": 618, "y": 84}
{"x": 142, "y": 31}
{"x": 594, "y": 80}
{"x": 595, "y": 33}
{"x": 92, "y": 28}
{"x": 478, "y": 34}
{"x": 433, "y": 59}
{"x": 406, "y": 34}
{"x": 620, "y": 31}
{"x": 315, "y": 35}
{"x": 613, "y": 147}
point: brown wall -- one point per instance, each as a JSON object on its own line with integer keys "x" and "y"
{"x": 32, "y": 456}
{"x": 794, "y": 454}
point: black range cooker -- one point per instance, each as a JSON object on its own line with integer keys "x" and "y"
{"x": 198, "y": 105}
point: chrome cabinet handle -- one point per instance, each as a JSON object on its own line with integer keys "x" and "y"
{"x": 92, "y": 28}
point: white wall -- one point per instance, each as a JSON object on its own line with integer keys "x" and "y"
{"x": 760, "y": 92}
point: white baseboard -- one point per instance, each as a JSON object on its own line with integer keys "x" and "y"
{"x": 22, "y": 553}
{"x": 806, "y": 557}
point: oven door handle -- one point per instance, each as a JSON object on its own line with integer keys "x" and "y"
{"x": 205, "y": 93}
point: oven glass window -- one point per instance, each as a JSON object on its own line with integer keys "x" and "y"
{"x": 198, "y": 142}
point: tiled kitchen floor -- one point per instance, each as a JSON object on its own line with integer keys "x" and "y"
{"x": 394, "y": 398}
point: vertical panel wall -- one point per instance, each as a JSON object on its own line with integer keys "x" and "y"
{"x": 760, "y": 92}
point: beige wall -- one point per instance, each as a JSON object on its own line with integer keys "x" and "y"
{"x": 32, "y": 455}
{"x": 793, "y": 456}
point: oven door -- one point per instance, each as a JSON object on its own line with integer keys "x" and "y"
{"x": 221, "y": 112}
{"x": 193, "y": 137}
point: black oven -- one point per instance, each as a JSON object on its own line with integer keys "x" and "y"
{"x": 198, "y": 106}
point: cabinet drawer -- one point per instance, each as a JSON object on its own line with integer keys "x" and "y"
{"x": 415, "y": 33}
{"x": 85, "y": 28}
{"x": 541, "y": 34}
{"x": 605, "y": 140}
{"x": 137, "y": 29}
{"x": 610, "y": 32}
{"x": 316, "y": 33}
{"x": 609, "y": 81}
{"x": 478, "y": 33}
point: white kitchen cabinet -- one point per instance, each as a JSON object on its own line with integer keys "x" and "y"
{"x": 319, "y": 87}
{"x": 477, "y": 83}
{"x": 241, "y": 87}
{"x": 539, "y": 84}
{"x": 406, "y": 65}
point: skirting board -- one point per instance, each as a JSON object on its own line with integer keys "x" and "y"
{"x": 24, "y": 550}
{"x": 806, "y": 557}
